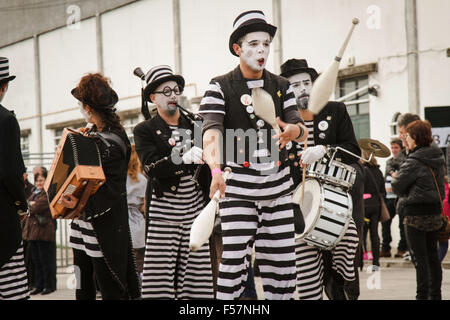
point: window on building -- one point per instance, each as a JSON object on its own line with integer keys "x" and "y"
{"x": 394, "y": 128}
{"x": 57, "y": 136}
{"x": 25, "y": 147}
{"x": 129, "y": 123}
{"x": 358, "y": 106}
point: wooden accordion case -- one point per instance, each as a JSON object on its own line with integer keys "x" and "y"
{"x": 76, "y": 170}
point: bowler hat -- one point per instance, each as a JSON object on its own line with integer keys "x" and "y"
{"x": 158, "y": 75}
{"x": 4, "y": 71}
{"x": 295, "y": 66}
{"x": 249, "y": 21}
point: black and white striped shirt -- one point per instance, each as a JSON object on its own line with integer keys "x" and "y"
{"x": 258, "y": 181}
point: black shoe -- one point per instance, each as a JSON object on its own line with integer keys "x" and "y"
{"x": 47, "y": 291}
{"x": 35, "y": 291}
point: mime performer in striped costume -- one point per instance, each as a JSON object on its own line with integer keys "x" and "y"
{"x": 256, "y": 208}
{"x": 13, "y": 275}
{"x": 170, "y": 270}
{"x": 332, "y": 127}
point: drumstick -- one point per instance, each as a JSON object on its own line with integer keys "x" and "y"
{"x": 304, "y": 171}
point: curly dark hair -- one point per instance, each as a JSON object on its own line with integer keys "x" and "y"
{"x": 95, "y": 91}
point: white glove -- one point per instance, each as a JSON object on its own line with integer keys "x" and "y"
{"x": 194, "y": 155}
{"x": 313, "y": 154}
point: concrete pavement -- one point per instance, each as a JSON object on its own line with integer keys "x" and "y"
{"x": 396, "y": 280}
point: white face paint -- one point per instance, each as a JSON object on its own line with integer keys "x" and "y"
{"x": 167, "y": 104}
{"x": 255, "y": 49}
{"x": 301, "y": 84}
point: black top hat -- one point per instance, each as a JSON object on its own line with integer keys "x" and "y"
{"x": 295, "y": 66}
{"x": 158, "y": 75}
{"x": 105, "y": 100}
{"x": 249, "y": 21}
{"x": 4, "y": 71}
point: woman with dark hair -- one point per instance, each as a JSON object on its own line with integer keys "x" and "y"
{"x": 373, "y": 189}
{"x": 420, "y": 181}
{"x": 102, "y": 245}
{"x": 39, "y": 231}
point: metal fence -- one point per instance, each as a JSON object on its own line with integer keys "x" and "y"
{"x": 64, "y": 257}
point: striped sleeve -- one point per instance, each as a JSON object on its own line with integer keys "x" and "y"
{"x": 212, "y": 107}
{"x": 213, "y": 101}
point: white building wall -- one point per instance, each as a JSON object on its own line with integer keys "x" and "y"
{"x": 65, "y": 56}
{"x": 434, "y": 65}
{"x": 21, "y": 95}
{"x": 137, "y": 35}
{"x": 206, "y": 27}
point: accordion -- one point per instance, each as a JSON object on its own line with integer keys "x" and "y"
{"x": 76, "y": 170}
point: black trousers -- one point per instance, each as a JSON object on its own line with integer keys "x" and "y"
{"x": 373, "y": 213}
{"x": 41, "y": 254}
{"x": 91, "y": 269}
{"x": 424, "y": 254}
{"x": 386, "y": 229}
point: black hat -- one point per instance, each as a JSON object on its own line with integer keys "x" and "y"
{"x": 249, "y": 21}
{"x": 295, "y": 66}
{"x": 158, "y": 75}
{"x": 4, "y": 71}
{"x": 105, "y": 100}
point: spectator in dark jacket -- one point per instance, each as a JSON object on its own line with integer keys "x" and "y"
{"x": 373, "y": 184}
{"x": 392, "y": 166}
{"x": 420, "y": 178}
{"x": 39, "y": 231}
{"x": 402, "y": 123}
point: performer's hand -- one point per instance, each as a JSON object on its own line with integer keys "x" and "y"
{"x": 69, "y": 201}
{"x": 313, "y": 154}
{"x": 194, "y": 155}
{"x": 290, "y": 133}
{"x": 217, "y": 183}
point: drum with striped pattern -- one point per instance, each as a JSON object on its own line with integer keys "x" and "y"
{"x": 327, "y": 211}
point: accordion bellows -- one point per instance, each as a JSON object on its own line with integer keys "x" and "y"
{"x": 77, "y": 170}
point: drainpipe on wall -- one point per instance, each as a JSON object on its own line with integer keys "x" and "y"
{"x": 99, "y": 40}
{"x": 278, "y": 40}
{"x": 412, "y": 53}
{"x": 177, "y": 36}
{"x": 38, "y": 98}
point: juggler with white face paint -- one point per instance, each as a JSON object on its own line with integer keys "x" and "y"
{"x": 256, "y": 208}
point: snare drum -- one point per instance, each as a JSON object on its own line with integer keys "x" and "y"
{"x": 333, "y": 172}
{"x": 326, "y": 210}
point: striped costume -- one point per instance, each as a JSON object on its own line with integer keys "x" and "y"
{"x": 310, "y": 260}
{"x": 13, "y": 278}
{"x": 257, "y": 208}
{"x": 171, "y": 270}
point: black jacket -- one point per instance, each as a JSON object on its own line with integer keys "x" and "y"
{"x": 372, "y": 184}
{"x": 151, "y": 139}
{"x": 152, "y": 144}
{"x": 112, "y": 228}
{"x": 339, "y": 133}
{"x": 12, "y": 187}
{"x": 415, "y": 184}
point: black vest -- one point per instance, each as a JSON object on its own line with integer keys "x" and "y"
{"x": 234, "y": 86}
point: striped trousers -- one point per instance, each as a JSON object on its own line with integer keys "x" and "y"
{"x": 268, "y": 225}
{"x": 13, "y": 278}
{"x": 310, "y": 268}
{"x": 171, "y": 270}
